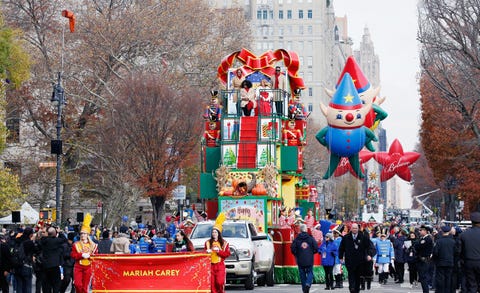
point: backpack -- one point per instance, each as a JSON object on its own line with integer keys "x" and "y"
{"x": 18, "y": 257}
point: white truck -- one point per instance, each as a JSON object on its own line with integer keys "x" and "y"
{"x": 252, "y": 254}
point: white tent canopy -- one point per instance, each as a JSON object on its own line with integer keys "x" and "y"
{"x": 28, "y": 216}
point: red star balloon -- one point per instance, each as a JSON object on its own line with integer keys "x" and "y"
{"x": 396, "y": 162}
{"x": 344, "y": 165}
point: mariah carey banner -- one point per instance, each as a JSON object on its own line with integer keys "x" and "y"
{"x": 171, "y": 272}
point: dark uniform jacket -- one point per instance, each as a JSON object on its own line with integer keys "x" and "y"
{"x": 444, "y": 251}
{"x": 424, "y": 248}
{"x": 355, "y": 251}
{"x": 470, "y": 248}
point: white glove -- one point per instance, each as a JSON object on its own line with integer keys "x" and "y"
{"x": 209, "y": 250}
{"x": 86, "y": 255}
{"x": 216, "y": 249}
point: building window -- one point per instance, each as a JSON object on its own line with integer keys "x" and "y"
{"x": 309, "y": 14}
{"x": 280, "y": 14}
{"x": 310, "y": 107}
{"x": 309, "y": 29}
{"x": 289, "y": 14}
{"x": 309, "y": 76}
{"x": 310, "y": 45}
{"x": 289, "y": 30}
{"x": 300, "y": 59}
{"x": 310, "y": 92}
{"x": 265, "y": 14}
{"x": 289, "y": 46}
{"x": 300, "y": 29}
{"x": 300, "y": 14}
{"x": 270, "y": 14}
{"x": 300, "y": 45}
{"x": 280, "y": 30}
{"x": 259, "y": 14}
{"x": 309, "y": 61}
{"x": 13, "y": 125}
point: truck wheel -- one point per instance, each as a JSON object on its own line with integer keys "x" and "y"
{"x": 270, "y": 276}
{"x": 250, "y": 281}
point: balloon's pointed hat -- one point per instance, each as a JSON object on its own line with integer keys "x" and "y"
{"x": 361, "y": 82}
{"x": 346, "y": 96}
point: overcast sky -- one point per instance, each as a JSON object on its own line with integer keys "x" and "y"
{"x": 393, "y": 30}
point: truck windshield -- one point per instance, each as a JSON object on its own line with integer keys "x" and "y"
{"x": 230, "y": 230}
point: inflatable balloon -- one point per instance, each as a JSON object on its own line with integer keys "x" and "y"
{"x": 345, "y": 134}
{"x": 396, "y": 162}
{"x": 365, "y": 91}
{"x": 344, "y": 165}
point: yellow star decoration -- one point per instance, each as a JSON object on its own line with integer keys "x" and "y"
{"x": 354, "y": 81}
{"x": 348, "y": 98}
{"x": 373, "y": 176}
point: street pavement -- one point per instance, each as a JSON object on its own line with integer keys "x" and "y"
{"x": 289, "y": 288}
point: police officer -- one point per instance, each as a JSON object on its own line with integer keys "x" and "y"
{"x": 424, "y": 249}
{"x": 470, "y": 253}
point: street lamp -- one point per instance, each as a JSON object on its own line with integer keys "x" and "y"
{"x": 58, "y": 99}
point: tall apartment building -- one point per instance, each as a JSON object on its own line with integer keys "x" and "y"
{"x": 307, "y": 27}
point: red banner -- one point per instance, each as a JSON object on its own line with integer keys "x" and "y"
{"x": 171, "y": 272}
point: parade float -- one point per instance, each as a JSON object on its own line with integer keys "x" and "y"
{"x": 252, "y": 165}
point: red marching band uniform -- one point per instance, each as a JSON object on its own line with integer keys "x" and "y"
{"x": 218, "y": 255}
{"x": 81, "y": 252}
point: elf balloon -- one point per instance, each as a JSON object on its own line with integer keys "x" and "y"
{"x": 365, "y": 91}
{"x": 396, "y": 162}
{"x": 345, "y": 134}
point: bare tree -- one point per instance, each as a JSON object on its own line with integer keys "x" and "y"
{"x": 182, "y": 40}
{"x": 450, "y": 59}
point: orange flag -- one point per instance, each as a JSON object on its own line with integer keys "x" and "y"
{"x": 71, "y": 17}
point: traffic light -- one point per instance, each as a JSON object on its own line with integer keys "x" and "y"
{"x": 43, "y": 215}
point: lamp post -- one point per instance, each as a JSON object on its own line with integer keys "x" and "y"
{"x": 58, "y": 99}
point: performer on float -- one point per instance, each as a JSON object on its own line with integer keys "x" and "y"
{"x": 291, "y": 217}
{"x": 310, "y": 221}
{"x": 82, "y": 250}
{"x": 292, "y": 136}
{"x": 219, "y": 250}
{"x": 212, "y": 135}
{"x": 233, "y": 105}
{"x": 213, "y": 112}
{"x": 247, "y": 95}
{"x": 264, "y": 95}
{"x": 282, "y": 219}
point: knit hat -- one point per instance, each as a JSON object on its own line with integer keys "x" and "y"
{"x": 446, "y": 229}
{"x": 329, "y": 235}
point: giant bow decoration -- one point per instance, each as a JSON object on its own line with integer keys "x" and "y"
{"x": 396, "y": 162}
{"x": 264, "y": 63}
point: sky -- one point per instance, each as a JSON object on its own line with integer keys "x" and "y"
{"x": 393, "y": 30}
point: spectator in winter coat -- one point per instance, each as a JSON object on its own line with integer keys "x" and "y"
{"x": 411, "y": 259}
{"x": 329, "y": 252}
{"x": 4, "y": 264}
{"x": 105, "y": 243}
{"x": 400, "y": 257}
{"x": 120, "y": 244}
{"x": 52, "y": 260}
{"x": 304, "y": 248}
